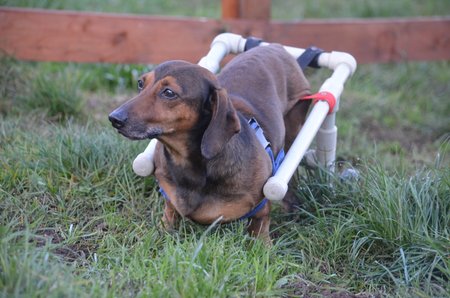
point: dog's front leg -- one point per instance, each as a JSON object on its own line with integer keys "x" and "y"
{"x": 259, "y": 225}
{"x": 170, "y": 216}
{"x": 291, "y": 203}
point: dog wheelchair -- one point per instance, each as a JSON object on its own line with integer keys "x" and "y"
{"x": 320, "y": 123}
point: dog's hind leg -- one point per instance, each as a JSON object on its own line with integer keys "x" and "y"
{"x": 293, "y": 121}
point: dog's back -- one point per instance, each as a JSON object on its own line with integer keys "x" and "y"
{"x": 270, "y": 82}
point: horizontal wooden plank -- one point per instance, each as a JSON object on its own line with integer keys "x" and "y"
{"x": 374, "y": 40}
{"x": 94, "y": 37}
{"x": 46, "y": 35}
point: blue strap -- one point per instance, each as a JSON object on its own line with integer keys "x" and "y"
{"x": 255, "y": 210}
{"x": 162, "y": 192}
{"x": 259, "y": 133}
{"x": 251, "y": 43}
{"x": 309, "y": 58}
{"x": 276, "y": 162}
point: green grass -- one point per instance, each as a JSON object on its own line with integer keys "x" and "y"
{"x": 198, "y": 8}
{"x": 293, "y": 9}
{"x": 281, "y": 9}
{"x": 76, "y": 222}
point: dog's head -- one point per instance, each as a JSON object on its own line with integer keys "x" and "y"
{"x": 179, "y": 98}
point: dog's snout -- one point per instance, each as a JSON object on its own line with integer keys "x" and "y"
{"x": 118, "y": 119}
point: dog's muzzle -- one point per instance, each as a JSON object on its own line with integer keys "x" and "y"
{"x": 118, "y": 119}
{"x": 132, "y": 129}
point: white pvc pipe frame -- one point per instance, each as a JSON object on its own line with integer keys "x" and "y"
{"x": 320, "y": 121}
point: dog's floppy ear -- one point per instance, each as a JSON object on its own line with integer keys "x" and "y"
{"x": 224, "y": 124}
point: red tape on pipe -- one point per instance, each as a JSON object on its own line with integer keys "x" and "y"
{"x": 322, "y": 96}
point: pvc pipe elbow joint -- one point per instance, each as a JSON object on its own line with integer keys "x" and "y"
{"x": 275, "y": 189}
{"x": 233, "y": 43}
{"x": 143, "y": 165}
{"x": 333, "y": 59}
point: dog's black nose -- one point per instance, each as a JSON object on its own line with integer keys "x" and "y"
{"x": 118, "y": 119}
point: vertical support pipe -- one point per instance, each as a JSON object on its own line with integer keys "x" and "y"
{"x": 326, "y": 139}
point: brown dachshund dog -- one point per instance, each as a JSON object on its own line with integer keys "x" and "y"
{"x": 209, "y": 161}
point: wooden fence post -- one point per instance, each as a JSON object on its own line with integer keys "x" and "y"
{"x": 247, "y": 9}
{"x": 230, "y": 9}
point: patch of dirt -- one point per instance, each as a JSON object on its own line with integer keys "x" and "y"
{"x": 407, "y": 137}
{"x": 303, "y": 288}
{"x": 69, "y": 252}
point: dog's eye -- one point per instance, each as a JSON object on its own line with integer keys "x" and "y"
{"x": 168, "y": 93}
{"x": 140, "y": 85}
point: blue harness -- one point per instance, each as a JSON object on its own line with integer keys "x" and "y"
{"x": 275, "y": 165}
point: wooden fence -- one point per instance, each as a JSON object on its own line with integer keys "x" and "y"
{"x": 49, "y": 35}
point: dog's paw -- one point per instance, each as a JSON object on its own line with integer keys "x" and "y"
{"x": 290, "y": 203}
{"x": 167, "y": 225}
